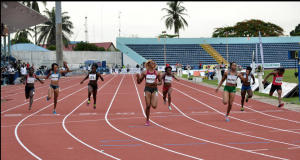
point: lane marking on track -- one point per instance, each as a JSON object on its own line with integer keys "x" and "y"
{"x": 239, "y": 104}
{"x": 119, "y": 140}
{"x": 63, "y": 123}
{"x": 274, "y": 149}
{"x": 248, "y": 142}
{"x": 205, "y": 124}
{"x": 124, "y": 145}
{"x": 16, "y": 129}
{"x": 135, "y": 137}
{"x": 36, "y": 99}
{"x": 9, "y": 115}
{"x": 86, "y": 113}
{"x": 186, "y": 144}
{"x": 233, "y": 117}
{"x": 69, "y": 148}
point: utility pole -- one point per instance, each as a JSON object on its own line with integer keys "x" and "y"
{"x": 86, "y": 30}
{"x": 119, "y": 24}
{"x": 59, "y": 49}
{"x": 164, "y": 32}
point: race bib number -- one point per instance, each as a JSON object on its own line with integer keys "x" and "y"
{"x": 92, "y": 76}
{"x": 278, "y": 79}
{"x": 30, "y": 80}
{"x": 168, "y": 79}
{"x": 54, "y": 77}
{"x": 231, "y": 79}
{"x": 150, "y": 78}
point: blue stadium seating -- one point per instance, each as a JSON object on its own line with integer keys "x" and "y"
{"x": 193, "y": 53}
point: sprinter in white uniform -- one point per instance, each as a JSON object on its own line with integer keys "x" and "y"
{"x": 167, "y": 87}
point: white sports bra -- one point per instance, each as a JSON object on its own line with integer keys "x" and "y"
{"x": 231, "y": 79}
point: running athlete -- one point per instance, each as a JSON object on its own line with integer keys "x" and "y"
{"x": 167, "y": 88}
{"x": 276, "y": 83}
{"x": 246, "y": 87}
{"x": 54, "y": 74}
{"x": 229, "y": 89}
{"x": 150, "y": 91}
{"x": 93, "y": 86}
{"x": 29, "y": 85}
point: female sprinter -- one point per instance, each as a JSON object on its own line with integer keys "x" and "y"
{"x": 167, "y": 88}
{"x": 246, "y": 87}
{"x": 150, "y": 91}
{"x": 93, "y": 86}
{"x": 54, "y": 72}
{"x": 229, "y": 89}
{"x": 29, "y": 85}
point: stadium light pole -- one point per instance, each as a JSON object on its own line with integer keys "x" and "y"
{"x": 164, "y": 32}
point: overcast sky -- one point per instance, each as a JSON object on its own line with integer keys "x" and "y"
{"x": 144, "y": 18}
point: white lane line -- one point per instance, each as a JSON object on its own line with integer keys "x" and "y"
{"x": 238, "y": 104}
{"x": 227, "y": 129}
{"x": 274, "y": 149}
{"x": 38, "y": 99}
{"x": 63, "y": 123}
{"x": 135, "y": 137}
{"x": 234, "y": 117}
{"x": 16, "y": 129}
{"x": 200, "y": 138}
{"x": 9, "y": 115}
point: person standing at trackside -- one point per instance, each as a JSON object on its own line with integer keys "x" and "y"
{"x": 246, "y": 87}
{"x": 141, "y": 68}
{"x": 150, "y": 91}
{"x": 200, "y": 65}
{"x": 137, "y": 66}
{"x": 276, "y": 83}
{"x": 113, "y": 69}
{"x": 55, "y": 73}
{"x": 29, "y": 85}
{"x": 167, "y": 87}
{"x": 93, "y": 86}
{"x": 23, "y": 70}
{"x": 230, "y": 87}
{"x": 120, "y": 69}
{"x": 222, "y": 69}
{"x": 128, "y": 68}
{"x": 11, "y": 72}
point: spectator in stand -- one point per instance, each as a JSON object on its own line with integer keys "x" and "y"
{"x": 28, "y": 66}
{"x": 137, "y": 66}
{"x": 11, "y": 72}
{"x": 19, "y": 70}
{"x": 200, "y": 65}
{"x": 23, "y": 70}
{"x": 128, "y": 68}
{"x": 123, "y": 66}
{"x": 33, "y": 68}
{"x": 223, "y": 69}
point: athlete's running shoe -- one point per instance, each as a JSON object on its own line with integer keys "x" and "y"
{"x": 88, "y": 103}
{"x": 280, "y": 105}
{"x": 29, "y": 107}
{"x": 147, "y": 123}
{"x": 165, "y": 102}
{"x": 47, "y": 98}
{"x": 170, "y": 108}
{"x": 227, "y": 119}
{"x": 54, "y": 112}
{"x": 247, "y": 99}
{"x": 242, "y": 109}
{"x": 94, "y": 106}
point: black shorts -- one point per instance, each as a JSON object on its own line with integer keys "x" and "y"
{"x": 28, "y": 89}
{"x": 275, "y": 87}
{"x": 151, "y": 90}
{"x": 94, "y": 87}
{"x": 113, "y": 70}
{"x": 127, "y": 70}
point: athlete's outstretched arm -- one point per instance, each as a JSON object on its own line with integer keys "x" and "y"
{"x": 44, "y": 77}
{"x": 159, "y": 79}
{"x": 175, "y": 77}
{"x": 39, "y": 79}
{"x": 242, "y": 77}
{"x": 140, "y": 78}
{"x": 22, "y": 79}
{"x": 87, "y": 76}
{"x": 100, "y": 76}
{"x": 65, "y": 71}
{"x": 221, "y": 82}
{"x": 253, "y": 78}
{"x": 272, "y": 73}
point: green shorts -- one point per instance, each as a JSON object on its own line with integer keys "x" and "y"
{"x": 230, "y": 89}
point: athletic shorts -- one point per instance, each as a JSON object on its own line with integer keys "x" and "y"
{"x": 166, "y": 88}
{"x": 275, "y": 87}
{"x": 151, "y": 90}
{"x": 244, "y": 88}
{"x": 127, "y": 70}
{"x": 230, "y": 89}
{"x": 28, "y": 89}
{"x": 54, "y": 87}
{"x": 94, "y": 87}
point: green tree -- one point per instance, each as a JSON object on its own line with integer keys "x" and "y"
{"x": 250, "y": 28}
{"x": 174, "y": 16}
{"x": 20, "y": 40}
{"x": 296, "y": 32}
{"x": 47, "y": 30}
{"x": 52, "y": 48}
{"x": 35, "y": 6}
{"x": 167, "y": 36}
{"x": 85, "y": 46}
{"x": 24, "y": 33}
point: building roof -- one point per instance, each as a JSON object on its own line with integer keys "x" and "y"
{"x": 27, "y": 47}
{"x": 105, "y": 45}
{"x": 18, "y": 16}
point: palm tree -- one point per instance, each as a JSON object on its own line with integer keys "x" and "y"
{"x": 35, "y": 6}
{"x": 174, "y": 15}
{"x": 24, "y": 33}
{"x": 47, "y": 30}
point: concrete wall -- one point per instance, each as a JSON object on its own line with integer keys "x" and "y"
{"x": 74, "y": 58}
{"x": 128, "y": 60}
{"x": 231, "y": 40}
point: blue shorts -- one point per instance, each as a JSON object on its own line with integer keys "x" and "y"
{"x": 54, "y": 87}
{"x": 245, "y": 88}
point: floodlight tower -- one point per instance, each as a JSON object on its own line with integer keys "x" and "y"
{"x": 86, "y": 30}
{"x": 119, "y": 24}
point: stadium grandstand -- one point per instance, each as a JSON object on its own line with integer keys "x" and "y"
{"x": 210, "y": 51}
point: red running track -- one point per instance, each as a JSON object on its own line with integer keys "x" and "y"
{"x": 194, "y": 129}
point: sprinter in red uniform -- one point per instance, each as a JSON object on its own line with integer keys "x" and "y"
{"x": 276, "y": 84}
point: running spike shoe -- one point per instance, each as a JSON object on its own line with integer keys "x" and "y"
{"x": 54, "y": 112}
{"x": 47, "y": 98}
{"x": 247, "y": 99}
{"x": 165, "y": 102}
{"x": 170, "y": 108}
{"x": 94, "y": 106}
{"x": 147, "y": 123}
{"x": 242, "y": 109}
{"x": 280, "y": 105}
{"x": 88, "y": 103}
{"x": 227, "y": 119}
